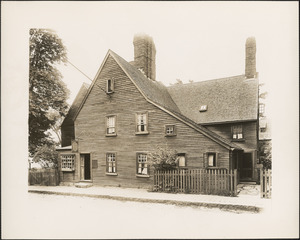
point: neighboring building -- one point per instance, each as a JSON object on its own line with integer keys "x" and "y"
{"x": 126, "y": 113}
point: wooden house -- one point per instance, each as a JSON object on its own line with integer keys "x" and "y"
{"x": 125, "y": 113}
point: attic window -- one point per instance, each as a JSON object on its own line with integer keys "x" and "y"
{"x": 203, "y": 108}
{"x": 110, "y": 85}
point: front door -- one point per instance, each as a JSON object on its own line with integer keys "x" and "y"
{"x": 85, "y": 167}
{"x": 246, "y": 167}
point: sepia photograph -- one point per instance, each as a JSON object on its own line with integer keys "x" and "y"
{"x": 149, "y": 120}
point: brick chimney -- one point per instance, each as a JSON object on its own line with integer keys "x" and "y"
{"x": 250, "y": 68}
{"x": 144, "y": 55}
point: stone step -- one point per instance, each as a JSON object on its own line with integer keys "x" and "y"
{"x": 83, "y": 185}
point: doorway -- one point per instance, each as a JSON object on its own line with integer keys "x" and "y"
{"x": 85, "y": 167}
{"x": 246, "y": 167}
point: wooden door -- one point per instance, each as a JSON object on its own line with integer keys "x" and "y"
{"x": 85, "y": 167}
{"x": 246, "y": 167}
{"x": 81, "y": 167}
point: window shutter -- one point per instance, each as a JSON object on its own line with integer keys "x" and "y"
{"x": 217, "y": 159}
{"x": 205, "y": 160}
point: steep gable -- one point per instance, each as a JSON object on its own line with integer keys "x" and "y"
{"x": 157, "y": 94}
{"x": 67, "y": 127}
{"x": 228, "y": 99}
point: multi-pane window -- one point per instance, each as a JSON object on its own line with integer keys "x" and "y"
{"x": 110, "y": 86}
{"x": 111, "y": 163}
{"x": 181, "y": 160}
{"x": 170, "y": 130}
{"x": 68, "y": 162}
{"x": 261, "y": 108}
{"x": 211, "y": 158}
{"x": 111, "y": 125}
{"x": 142, "y": 166}
{"x": 237, "y": 132}
{"x": 141, "y": 122}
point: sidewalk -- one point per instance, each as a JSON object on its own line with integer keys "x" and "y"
{"x": 243, "y": 202}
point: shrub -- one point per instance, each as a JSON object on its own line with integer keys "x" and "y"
{"x": 163, "y": 158}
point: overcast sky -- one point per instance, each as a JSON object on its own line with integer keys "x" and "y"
{"x": 194, "y": 41}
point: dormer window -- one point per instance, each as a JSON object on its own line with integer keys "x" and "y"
{"x": 203, "y": 108}
{"x": 110, "y": 85}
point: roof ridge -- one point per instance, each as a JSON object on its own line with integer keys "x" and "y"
{"x": 198, "y": 82}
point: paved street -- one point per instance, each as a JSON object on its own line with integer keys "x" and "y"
{"x": 56, "y": 216}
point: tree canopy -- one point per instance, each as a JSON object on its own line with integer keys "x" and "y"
{"x": 47, "y": 91}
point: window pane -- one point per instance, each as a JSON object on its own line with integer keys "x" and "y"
{"x": 142, "y": 122}
{"x": 111, "y": 162}
{"x": 111, "y": 124}
{"x": 181, "y": 161}
{"x": 142, "y": 167}
{"x": 211, "y": 160}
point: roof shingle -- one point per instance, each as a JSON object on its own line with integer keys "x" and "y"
{"x": 227, "y": 99}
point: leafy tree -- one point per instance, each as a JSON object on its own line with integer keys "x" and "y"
{"x": 163, "y": 158}
{"x": 47, "y": 91}
{"x": 46, "y": 155}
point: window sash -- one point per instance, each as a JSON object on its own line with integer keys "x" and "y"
{"x": 110, "y": 85}
{"x": 237, "y": 132}
{"x": 261, "y": 108}
{"x": 111, "y": 125}
{"x": 142, "y": 165}
{"x": 170, "y": 130}
{"x": 211, "y": 160}
{"x": 68, "y": 162}
{"x": 141, "y": 122}
{"x": 181, "y": 161}
{"x": 111, "y": 163}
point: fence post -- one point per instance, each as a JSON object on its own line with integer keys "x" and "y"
{"x": 261, "y": 184}
{"x": 235, "y": 182}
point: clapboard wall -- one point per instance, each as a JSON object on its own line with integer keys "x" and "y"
{"x": 125, "y": 102}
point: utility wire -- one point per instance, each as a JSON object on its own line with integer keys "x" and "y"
{"x": 87, "y": 77}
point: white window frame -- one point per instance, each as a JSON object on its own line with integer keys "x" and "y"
{"x": 68, "y": 162}
{"x": 141, "y": 120}
{"x": 111, "y": 163}
{"x": 109, "y": 127}
{"x": 237, "y": 132}
{"x": 261, "y": 108}
{"x": 142, "y": 165}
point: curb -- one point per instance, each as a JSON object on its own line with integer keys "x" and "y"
{"x": 226, "y": 207}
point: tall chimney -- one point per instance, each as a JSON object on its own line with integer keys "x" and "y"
{"x": 250, "y": 69}
{"x": 144, "y": 54}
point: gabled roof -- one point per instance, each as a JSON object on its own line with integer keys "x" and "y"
{"x": 157, "y": 94}
{"x": 228, "y": 99}
{"x": 76, "y": 103}
{"x": 152, "y": 90}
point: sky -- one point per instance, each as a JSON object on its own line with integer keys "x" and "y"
{"x": 194, "y": 41}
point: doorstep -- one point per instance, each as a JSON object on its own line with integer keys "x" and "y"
{"x": 83, "y": 184}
